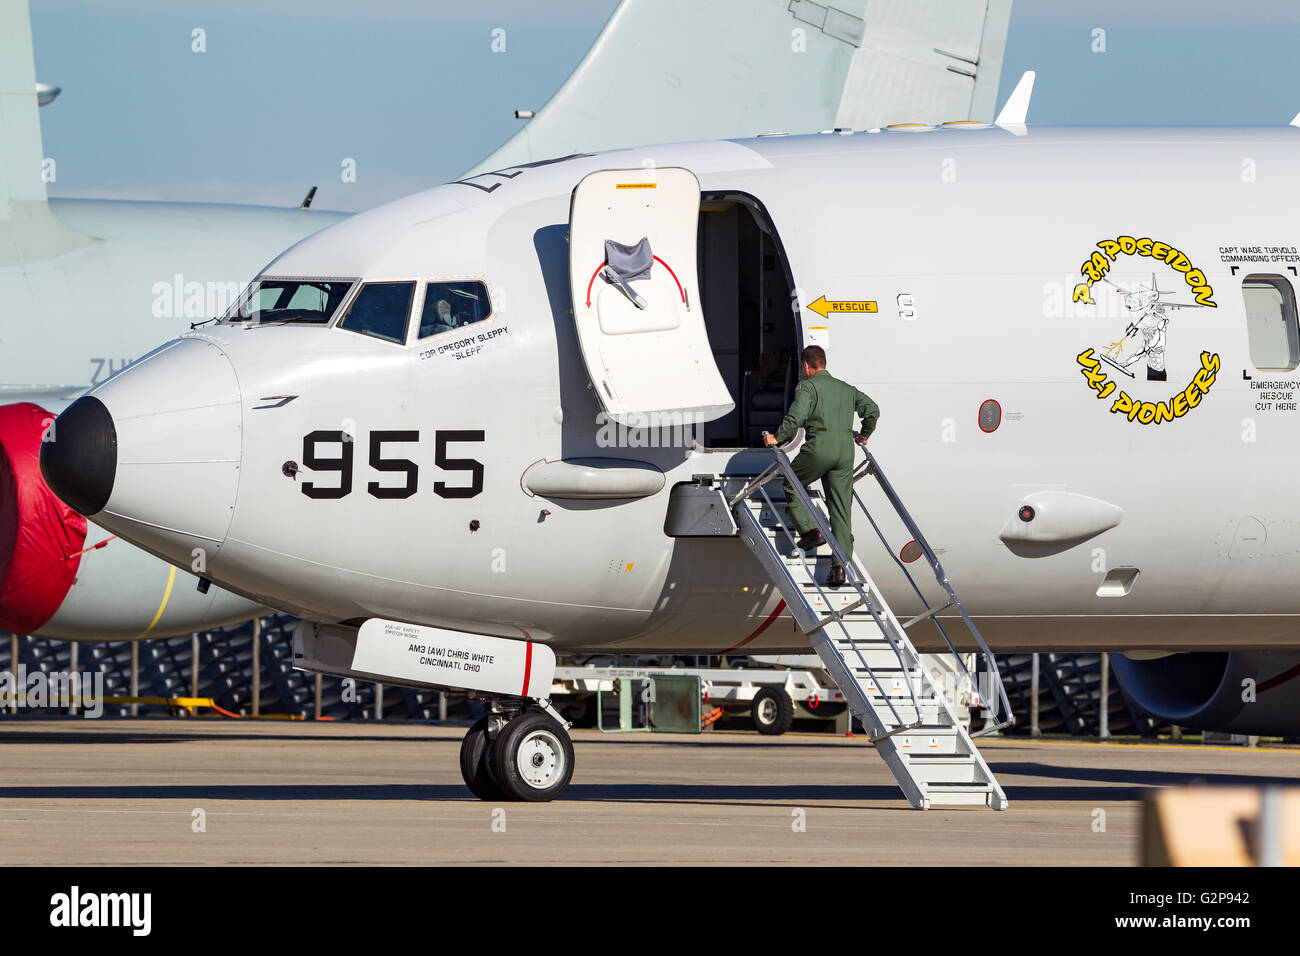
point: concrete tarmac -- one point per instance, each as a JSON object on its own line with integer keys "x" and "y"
{"x": 125, "y": 792}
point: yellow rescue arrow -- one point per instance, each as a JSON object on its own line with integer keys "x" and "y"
{"x": 824, "y": 307}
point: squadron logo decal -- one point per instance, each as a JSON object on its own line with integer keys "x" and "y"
{"x": 1140, "y": 351}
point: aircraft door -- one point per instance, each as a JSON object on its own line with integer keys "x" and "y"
{"x": 636, "y": 299}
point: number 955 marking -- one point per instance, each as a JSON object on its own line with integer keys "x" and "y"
{"x": 343, "y": 463}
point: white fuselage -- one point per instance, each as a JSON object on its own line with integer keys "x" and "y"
{"x": 970, "y": 243}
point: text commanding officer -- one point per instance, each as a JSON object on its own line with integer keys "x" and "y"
{"x": 823, "y": 407}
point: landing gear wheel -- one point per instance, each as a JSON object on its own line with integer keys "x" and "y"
{"x": 533, "y": 758}
{"x": 476, "y": 763}
{"x": 772, "y": 711}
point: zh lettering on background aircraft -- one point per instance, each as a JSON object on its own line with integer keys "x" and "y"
{"x": 102, "y": 369}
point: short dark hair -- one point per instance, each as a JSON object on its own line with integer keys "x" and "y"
{"x": 814, "y": 355}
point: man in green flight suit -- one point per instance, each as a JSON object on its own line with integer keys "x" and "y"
{"x": 824, "y": 407}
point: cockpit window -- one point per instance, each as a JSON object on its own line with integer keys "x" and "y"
{"x": 293, "y": 300}
{"x": 449, "y": 305}
{"x": 381, "y": 309}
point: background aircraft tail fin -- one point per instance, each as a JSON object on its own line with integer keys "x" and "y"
{"x": 676, "y": 70}
{"x": 926, "y": 61}
{"x": 28, "y": 230}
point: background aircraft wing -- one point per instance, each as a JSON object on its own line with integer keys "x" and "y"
{"x": 678, "y": 70}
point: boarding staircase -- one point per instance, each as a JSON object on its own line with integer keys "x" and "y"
{"x": 866, "y": 648}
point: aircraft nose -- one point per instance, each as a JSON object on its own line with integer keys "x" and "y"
{"x": 81, "y": 464}
{"x": 153, "y": 453}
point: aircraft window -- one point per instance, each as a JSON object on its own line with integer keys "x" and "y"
{"x": 293, "y": 300}
{"x": 1271, "y": 322}
{"x": 381, "y": 309}
{"x": 449, "y": 305}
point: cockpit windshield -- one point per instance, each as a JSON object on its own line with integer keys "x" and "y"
{"x": 303, "y": 301}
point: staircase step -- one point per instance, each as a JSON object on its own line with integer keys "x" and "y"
{"x": 929, "y": 730}
{"x": 909, "y": 743}
{"x": 880, "y": 650}
{"x": 920, "y": 758}
{"x": 958, "y": 794}
{"x": 939, "y": 770}
{"x": 873, "y": 671}
{"x": 928, "y": 704}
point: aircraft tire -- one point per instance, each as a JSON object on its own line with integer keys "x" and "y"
{"x": 772, "y": 711}
{"x": 533, "y": 758}
{"x": 476, "y": 763}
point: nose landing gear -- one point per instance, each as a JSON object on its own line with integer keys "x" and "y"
{"x": 521, "y": 756}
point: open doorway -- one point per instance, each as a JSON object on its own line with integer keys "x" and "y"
{"x": 747, "y": 294}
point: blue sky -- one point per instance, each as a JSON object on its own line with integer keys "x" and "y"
{"x": 413, "y": 92}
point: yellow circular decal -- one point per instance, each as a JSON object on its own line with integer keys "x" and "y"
{"x": 1142, "y": 346}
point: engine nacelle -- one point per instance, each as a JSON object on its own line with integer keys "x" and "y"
{"x": 1239, "y": 692}
{"x": 62, "y": 577}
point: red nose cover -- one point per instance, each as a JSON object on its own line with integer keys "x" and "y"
{"x": 40, "y": 537}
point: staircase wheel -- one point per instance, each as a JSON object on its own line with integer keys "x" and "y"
{"x": 772, "y": 711}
